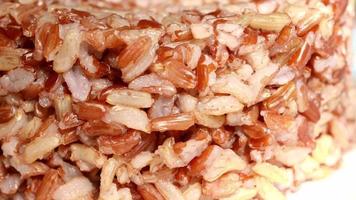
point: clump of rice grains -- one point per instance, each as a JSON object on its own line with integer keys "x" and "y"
{"x": 172, "y": 100}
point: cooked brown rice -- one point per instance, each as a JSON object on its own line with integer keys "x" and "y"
{"x": 174, "y": 99}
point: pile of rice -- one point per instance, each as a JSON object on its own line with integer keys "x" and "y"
{"x": 172, "y": 100}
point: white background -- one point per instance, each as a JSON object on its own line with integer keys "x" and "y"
{"x": 340, "y": 185}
